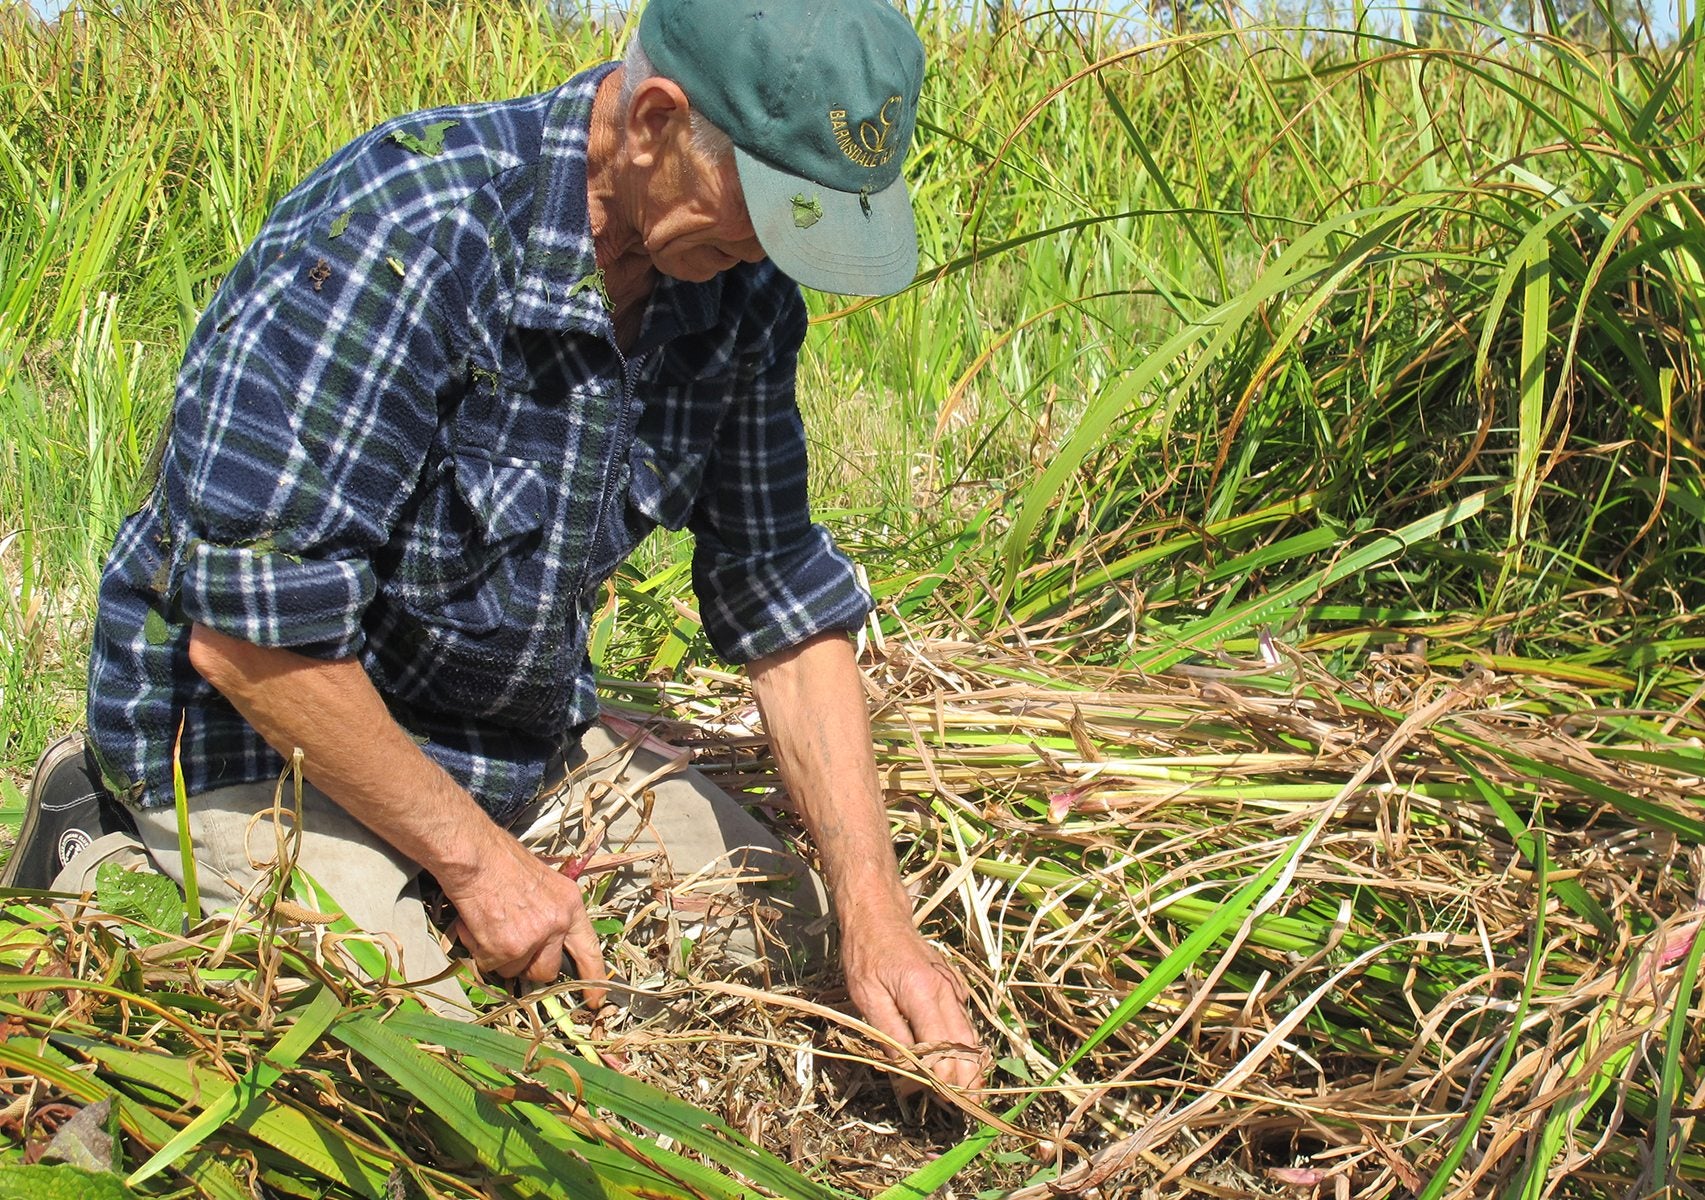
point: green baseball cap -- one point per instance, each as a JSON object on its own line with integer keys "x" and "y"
{"x": 819, "y": 98}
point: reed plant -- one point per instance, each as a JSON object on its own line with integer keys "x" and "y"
{"x": 1282, "y": 491}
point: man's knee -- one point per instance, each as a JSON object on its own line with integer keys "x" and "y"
{"x": 730, "y": 896}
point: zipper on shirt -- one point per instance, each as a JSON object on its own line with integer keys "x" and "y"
{"x": 631, "y": 406}
{"x": 616, "y": 477}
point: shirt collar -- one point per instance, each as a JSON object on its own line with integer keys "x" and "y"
{"x": 677, "y": 307}
{"x": 558, "y": 287}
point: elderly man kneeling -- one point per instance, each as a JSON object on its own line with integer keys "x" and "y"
{"x": 467, "y": 365}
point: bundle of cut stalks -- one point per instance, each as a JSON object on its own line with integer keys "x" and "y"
{"x": 1404, "y": 933}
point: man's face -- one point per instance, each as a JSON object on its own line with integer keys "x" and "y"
{"x": 696, "y": 223}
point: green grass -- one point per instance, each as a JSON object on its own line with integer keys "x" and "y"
{"x": 1283, "y": 489}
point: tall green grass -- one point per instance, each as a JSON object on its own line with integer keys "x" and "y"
{"x": 1166, "y": 284}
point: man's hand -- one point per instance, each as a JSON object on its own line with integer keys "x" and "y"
{"x": 812, "y": 700}
{"x": 904, "y": 987}
{"x": 517, "y": 916}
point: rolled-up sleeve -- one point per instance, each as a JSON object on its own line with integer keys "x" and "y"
{"x": 301, "y": 432}
{"x": 767, "y": 578}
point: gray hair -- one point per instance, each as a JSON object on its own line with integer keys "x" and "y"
{"x": 637, "y": 68}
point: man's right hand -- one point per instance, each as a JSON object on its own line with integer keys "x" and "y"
{"x": 517, "y": 916}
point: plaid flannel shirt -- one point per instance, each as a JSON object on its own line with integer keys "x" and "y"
{"x": 403, "y": 432}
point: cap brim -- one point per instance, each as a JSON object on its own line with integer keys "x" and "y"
{"x": 829, "y": 240}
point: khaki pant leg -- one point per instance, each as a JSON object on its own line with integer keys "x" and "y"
{"x": 121, "y": 849}
{"x": 372, "y": 884}
{"x": 712, "y": 872}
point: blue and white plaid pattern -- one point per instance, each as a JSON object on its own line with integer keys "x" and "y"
{"x": 403, "y": 432}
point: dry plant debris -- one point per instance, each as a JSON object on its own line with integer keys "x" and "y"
{"x": 1235, "y": 930}
{"x": 1468, "y": 853}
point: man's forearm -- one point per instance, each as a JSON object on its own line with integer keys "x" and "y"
{"x": 352, "y": 748}
{"x": 812, "y": 699}
{"x": 812, "y": 702}
{"x": 516, "y": 915}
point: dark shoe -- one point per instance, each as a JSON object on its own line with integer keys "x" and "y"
{"x": 66, "y": 810}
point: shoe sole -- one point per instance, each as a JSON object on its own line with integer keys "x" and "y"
{"x": 71, "y": 745}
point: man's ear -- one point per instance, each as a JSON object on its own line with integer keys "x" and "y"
{"x": 658, "y": 107}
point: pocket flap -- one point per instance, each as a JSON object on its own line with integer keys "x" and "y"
{"x": 508, "y": 501}
{"x": 661, "y": 490}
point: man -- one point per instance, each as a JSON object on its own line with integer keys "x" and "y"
{"x": 465, "y": 367}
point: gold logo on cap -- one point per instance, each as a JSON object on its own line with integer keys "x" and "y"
{"x": 868, "y": 145}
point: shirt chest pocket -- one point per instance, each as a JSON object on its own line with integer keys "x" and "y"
{"x": 465, "y": 558}
{"x": 663, "y": 485}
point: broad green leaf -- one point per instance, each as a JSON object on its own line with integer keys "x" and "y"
{"x": 251, "y": 1089}
{"x": 430, "y": 139}
{"x": 310, "y": 1140}
{"x": 500, "y": 1141}
{"x": 60, "y": 1182}
{"x": 145, "y": 897}
{"x": 51, "y": 1065}
{"x": 155, "y": 629}
{"x": 604, "y": 1088}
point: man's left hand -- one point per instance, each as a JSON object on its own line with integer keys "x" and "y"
{"x": 904, "y": 987}
{"x": 812, "y": 699}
